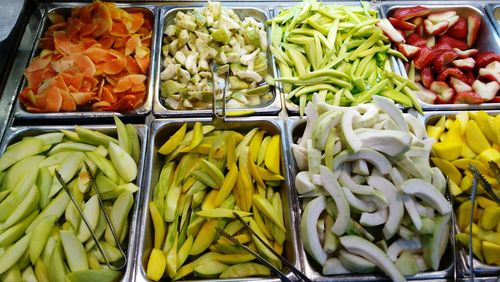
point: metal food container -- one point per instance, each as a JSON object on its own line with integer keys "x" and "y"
{"x": 161, "y": 130}
{"x": 293, "y": 109}
{"x": 480, "y": 268}
{"x": 487, "y": 40}
{"x": 493, "y": 12}
{"x": 64, "y": 9}
{"x": 15, "y": 134}
{"x": 167, "y": 15}
{"x": 295, "y": 128}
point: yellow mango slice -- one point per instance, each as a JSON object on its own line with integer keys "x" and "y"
{"x": 491, "y": 252}
{"x": 475, "y": 138}
{"x": 496, "y": 126}
{"x": 448, "y": 123}
{"x": 466, "y": 183}
{"x": 255, "y": 145}
{"x": 227, "y": 185}
{"x": 448, "y": 169}
{"x": 465, "y": 163}
{"x": 472, "y": 115}
{"x": 489, "y": 154}
{"x": 462, "y": 118}
{"x": 490, "y": 218}
{"x": 159, "y": 225}
{"x": 454, "y": 134}
{"x": 454, "y": 189}
{"x": 476, "y": 244}
{"x": 273, "y": 155}
{"x": 173, "y": 141}
{"x": 197, "y": 138}
{"x": 466, "y": 150}
{"x": 485, "y": 202}
{"x": 156, "y": 265}
{"x": 434, "y": 131}
{"x": 449, "y": 151}
{"x": 441, "y": 122}
{"x": 486, "y": 124}
{"x": 463, "y": 214}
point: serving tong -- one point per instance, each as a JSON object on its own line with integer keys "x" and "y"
{"x": 478, "y": 177}
{"x": 103, "y": 210}
{"x": 218, "y": 119}
{"x": 273, "y": 268}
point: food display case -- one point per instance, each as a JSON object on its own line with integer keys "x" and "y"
{"x": 284, "y": 63}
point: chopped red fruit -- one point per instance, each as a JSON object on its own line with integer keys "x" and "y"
{"x": 390, "y": 31}
{"x": 430, "y": 42}
{"x": 485, "y": 58}
{"x": 451, "y": 72}
{"x": 458, "y": 30}
{"x": 443, "y": 59}
{"x": 491, "y": 71}
{"x": 473, "y": 24}
{"x": 441, "y": 16}
{"x": 443, "y": 91}
{"x": 464, "y": 64}
{"x": 469, "y": 77}
{"x": 454, "y": 43}
{"x": 416, "y": 40}
{"x": 426, "y": 57}
{"x": 459, "y": 85}
{"x": 435, "y": 29}
{"x": 401, "y": 24}
{"x": 408, "y": 51}
{"x": 417, "y": 21}
{"x": 487, "y": 91}
{"x": 427, "y": 76}
{"x": 407, "y": 13}
{"x": 467, "y": 97}
{"x": 420, "y": 30}
{"x": 465, "y": 53}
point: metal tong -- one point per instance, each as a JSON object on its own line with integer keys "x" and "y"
{"x": 478, "y": 177}
{"x": 278, "y": 272}
{"x": 217, "y": 118}
{"x": 108, "y": 221}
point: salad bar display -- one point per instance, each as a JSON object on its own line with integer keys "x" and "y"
{"x": 252, "y": 141}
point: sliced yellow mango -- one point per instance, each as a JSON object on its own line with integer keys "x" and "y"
{"x": 466, "y": 183}
{"x": 196, "y": 139}
{"x": 491, "y": 252}
{"x": 454, "y": 134}
{"x": 476, "y": 244}
{"x": 463, "y": 214}
{"x": 449, "y": 151}
{"x": 475, "y": 138}
{"x": 462, "y": 118}
{"x": 255, "y": 145}
{"x": 273, "y": 155}
{"x": 485, "y": 202}
{"x": 490, "y": 218}
{"x": 159, "y": 225}
{"x": 156, "y": 265}
{"x": 489, "y": 154}
{"x": 448, "y": 169}
{"x": 434, "y": 131}
{"x": 486, "y": 124}
{"x": 454, "y": 189}
{"x": 466, "y": 150}
{"x": 227, "y": 185}
{"x": 448, "y": 123}
{"x": 173, "y": 141}
{"x": 465, "y": 163}
{"x": 496, "y": 126}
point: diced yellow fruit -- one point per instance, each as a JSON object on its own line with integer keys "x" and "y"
{"x": 490, "y": 218}
{"x": 466, "y": 150}
{"x": 454, "y": 189}
{"x": 171, "y": 259}
{"x": 255, "y": 145}
{"x": 485, "y": 202}
{"x": 158, "y": 224}
{"x": 227, "y": 185}
{"x": 448, "y": 169}
{"x": 453, "y": 134}
{"x": 441, "y": 122}
{"x": 449, "y": 151}
{"x": 204, "y": 237}
{"x": 197, "y": 138}
{"x": 491, "y": 252}
{"x": 496, "y": 126}
{"x": 273, "y": 155}
{"x": 476, "y": 244}
{"x": 462, "y": 118}
{"x": 442, "y": 137}
{"x": 475, "y": 138}
{"x": 448, "y": 123}
{"x": 489, "y": 154}
{"x": 472, "y": 115}
{"x": 156, "y": 265}
{"x": 486, "y": 124}
{"x": 491, "y": 236}
{"x": 464, "y": 164}
{"x": 173, "y": 141}
{"x": 463, "y": 214}
{"x": 230, "y": 150}
{"x": 466, "y": 183}
{"x": 475, "y": 230}
{"x": 434, "y": 131}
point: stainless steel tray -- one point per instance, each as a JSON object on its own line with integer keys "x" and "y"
{"x": 295, "y": 128}
{"x": 65, "y": 9}
{"x": 292, "y": 108}
{"x": 167, "y": 15}
{"x": 160, "y": 131}
{"x": 15, "y": 134}
{"x": 487, "y": 40}
{"x": 480, "y": 268}
{"x": 494, "y": 14}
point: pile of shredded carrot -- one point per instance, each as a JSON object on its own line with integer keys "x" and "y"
{"x": 97, "y": 59}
